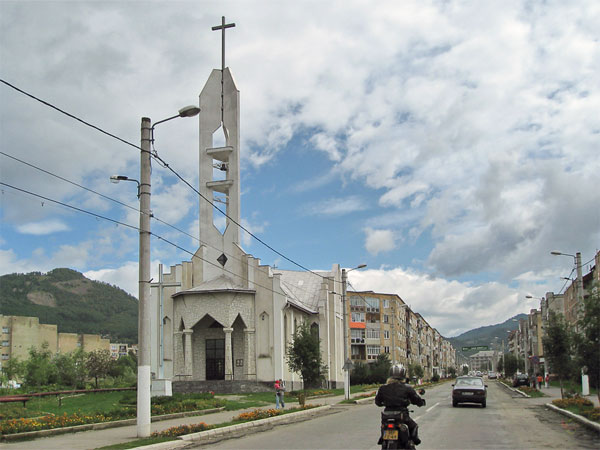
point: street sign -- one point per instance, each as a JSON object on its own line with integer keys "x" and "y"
{"x": 475, "y": 347}
{"x": 349, "y": 365}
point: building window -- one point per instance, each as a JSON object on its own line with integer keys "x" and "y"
{"x": 386, "y": 349}
{"x": 372, "y": 333}
{"x": 372, "y": 304}
{"x": 358, "y": 317}
{"x": 6, "y": 330}
{"x": 357, "y": 336}
{"x": 373, "y": 351}
{"x": 386, "y": 303}
{"x": 386, "y": 334}
{"x": 5, "y": 344}
{"x": 356, "y": 301}
{"x": 5, "y": 356}
{"x": 386, "y": 318}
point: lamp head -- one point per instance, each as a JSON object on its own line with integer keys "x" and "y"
{"x": 116, "y": 178}
{"x": 189, "y": 111}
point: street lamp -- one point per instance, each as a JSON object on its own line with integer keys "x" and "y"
{"x": 347, "y": 362}
{"x": 116, "y": 178}
{"x": 144, "y": 313}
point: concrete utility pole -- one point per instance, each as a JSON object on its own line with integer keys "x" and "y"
{"x": 347, "y": 361}
{"x": 144, "y": 314}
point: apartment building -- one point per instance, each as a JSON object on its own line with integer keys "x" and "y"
{"x": 384, "y": 323}
{"x": 20, "y": 333}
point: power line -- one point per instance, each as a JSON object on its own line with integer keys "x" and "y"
{"x": 135, "y": 209}
{"x": 161, "y": 238}
{"x": 167, "y": 166}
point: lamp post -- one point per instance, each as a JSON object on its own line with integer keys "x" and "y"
{"x": 144, "y": 313}
{"x": 347, "y": 361}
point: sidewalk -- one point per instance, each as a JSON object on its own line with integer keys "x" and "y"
{"x": 553, "y": 393}
{"x": 99, "y": 438}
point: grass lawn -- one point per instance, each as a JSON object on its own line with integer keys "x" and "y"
{"x": 569, "y": 385}
{"x": 86, "y": 403}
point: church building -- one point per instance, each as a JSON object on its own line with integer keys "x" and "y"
{"x": 223, "y": 321}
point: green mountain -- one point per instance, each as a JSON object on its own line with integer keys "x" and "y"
{"x": 485, "y": 335}
{"x": 66, "y": 298}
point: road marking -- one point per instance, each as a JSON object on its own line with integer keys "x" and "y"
{"x": 430, "y": 408}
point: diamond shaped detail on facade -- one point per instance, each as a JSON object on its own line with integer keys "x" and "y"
{"x": 222, "y": 259}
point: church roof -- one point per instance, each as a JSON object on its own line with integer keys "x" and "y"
{"x": 302, "y": 289}
{"x": 219, "y": 284}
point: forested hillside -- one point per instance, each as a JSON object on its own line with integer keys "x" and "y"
{"x": 486, "y": 335}
{"x": 76, "y": 304}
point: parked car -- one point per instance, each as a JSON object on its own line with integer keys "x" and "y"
{"x": 469, "y": 390}
{"x": 520, "y": 379}
{"x": 492, "y": 375}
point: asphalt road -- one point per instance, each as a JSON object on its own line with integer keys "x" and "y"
{"x": 509, "y": 421}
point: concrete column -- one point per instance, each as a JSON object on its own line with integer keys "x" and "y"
{"x": 228, "y": 354}
{"x": 178, "y": 363}
{"x": 189, "y": 366}
{"x": 250, "y": 354}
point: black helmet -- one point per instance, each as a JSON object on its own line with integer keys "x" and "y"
{"x": 398, "y": 371}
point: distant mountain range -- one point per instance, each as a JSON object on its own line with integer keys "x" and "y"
{"x": 485, "y": 335}
{"x": 66, "y": 298}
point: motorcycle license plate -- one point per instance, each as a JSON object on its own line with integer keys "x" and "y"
{"x": 390, "y": 435}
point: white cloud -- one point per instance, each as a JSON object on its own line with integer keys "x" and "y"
{"x": 43, "y": 227}
{"x": 377, "y": 241}
{"x": 450, "y": 306}
{"x": 335, "y": 206}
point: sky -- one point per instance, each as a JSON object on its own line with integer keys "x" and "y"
{"x": 448, "y": 145}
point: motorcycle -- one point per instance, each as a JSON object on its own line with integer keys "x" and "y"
{"x": 395, "y": 433}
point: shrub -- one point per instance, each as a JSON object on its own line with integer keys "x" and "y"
{"x": 435, "y": 378}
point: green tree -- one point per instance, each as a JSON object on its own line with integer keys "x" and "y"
{"x": 98, "y": 364}
{"x": 451, "y": 371}
{"x": 71, "y": 368}
{"x": 415, "y": 371}
{"x": 39, "y": 370}
{"x": 587, "y": 343}
{"x": 380, "y": 369}
{"x": 360, "y": 373}
{"x": 13, "y": 369}
{"x": 557, "y": 347}
{"x": 465, "y": 370}
{"x": 303, "y": 356}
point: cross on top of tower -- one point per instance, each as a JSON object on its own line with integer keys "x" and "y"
{"x": 222, "y": 28}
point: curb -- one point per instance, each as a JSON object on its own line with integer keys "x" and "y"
{"x": 582, "y": 420}
{"x": 101, "y": 425}
{"x": 515, "y": 390}
{"x": 362, "y": 401}
{"x": 241, "y": 429}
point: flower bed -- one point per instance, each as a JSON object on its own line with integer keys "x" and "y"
{"x": 258, "y": 414}
{"x": 49, "y": 421}
{"x": 12, "y": 426}
{"x": 579, "y": 405}
{"x": 181, "y": 430}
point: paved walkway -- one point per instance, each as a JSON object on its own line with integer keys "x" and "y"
{"x": 99, "y": 438}
{"x": 553, "y": 393}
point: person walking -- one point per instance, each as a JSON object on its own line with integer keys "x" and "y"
{"x": 547, "y": 380}
{"x": 539, "y": 381}
{"x": 279, "y": 389}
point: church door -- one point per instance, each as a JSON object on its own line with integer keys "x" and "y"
{"x": 215, "y": 359}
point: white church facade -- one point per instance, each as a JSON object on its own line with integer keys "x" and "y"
{"x": 224, "y": 319}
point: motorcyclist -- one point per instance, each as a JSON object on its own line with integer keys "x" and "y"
{"x": 396, "y": 395}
